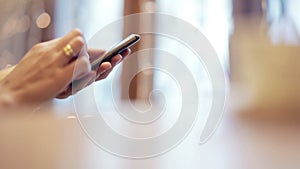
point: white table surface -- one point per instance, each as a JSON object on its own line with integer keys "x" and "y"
{"x": 56, "y": 140}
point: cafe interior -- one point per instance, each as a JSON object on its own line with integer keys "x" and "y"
{"x": 222, "y": 75}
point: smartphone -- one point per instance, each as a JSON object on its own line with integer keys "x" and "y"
{"x": 117, "y": 49}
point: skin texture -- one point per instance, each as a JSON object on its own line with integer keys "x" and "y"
{"x": 46, "y": 72}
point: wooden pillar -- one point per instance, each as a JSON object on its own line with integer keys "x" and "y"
{"x": 142, "y": 83}
{"x": 130, "y": 7}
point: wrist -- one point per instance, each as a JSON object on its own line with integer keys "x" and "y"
{"x": 4, "y": 72}
{"x": 7, "y": 97}
{"x": 7, "y": 100}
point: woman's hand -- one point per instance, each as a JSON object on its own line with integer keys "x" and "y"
{"x": 46, "y": 71}
{"x": 103, "y": 71}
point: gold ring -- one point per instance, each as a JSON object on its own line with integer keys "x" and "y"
{"x": 68, "y": 50}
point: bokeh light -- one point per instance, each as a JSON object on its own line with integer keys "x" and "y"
{"x": 43, "y": 21}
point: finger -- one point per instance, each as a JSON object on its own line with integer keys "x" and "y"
{"x": 120, "y": 57}
{"x": 76, "y": 45}
{"x": 105, "y": 66}
{"x": 83, "y": 82}
{"x": 103, "y": 75}
{"x": 78, "y": 85}
{"x": 108, "y": 65}
{"x": 77, "y": 69}
{"x": 126, "y": 52}
{"x": 68, "y": 37}
{"x": 95, "y": 53}
{"x": 83, "y": 52}
{"x": 116, "y": 59}
{"x": 64, "y": 95}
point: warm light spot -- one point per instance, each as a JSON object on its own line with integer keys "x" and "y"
{"x": 23, "y": 24}
{"x": 71, "y": 117}
{"x": 150, "y": 6}
{"x": 9, "y": 28}
{"x": 43, "y": 21}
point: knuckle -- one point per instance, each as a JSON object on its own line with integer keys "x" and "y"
{"x": 80, "y": 41}
{"x": 38, "y": 46}
{"x": 77, "y": 32}
{"x": 41, "y": 50}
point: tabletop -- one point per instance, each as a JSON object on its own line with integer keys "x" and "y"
{"x": 55, "y": 138}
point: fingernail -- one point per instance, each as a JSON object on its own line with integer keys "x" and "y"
{"x": 100, "y": 73}
{"x": 121, "y": 57}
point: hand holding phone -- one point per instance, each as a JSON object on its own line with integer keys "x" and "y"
{"x": 117, "y": 49}
{"x": 108, "y": 55}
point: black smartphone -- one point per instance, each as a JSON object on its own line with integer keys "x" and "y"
{"x": 117, "y": 49}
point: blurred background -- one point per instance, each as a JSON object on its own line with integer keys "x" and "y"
{"x": 257, "y": 42}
